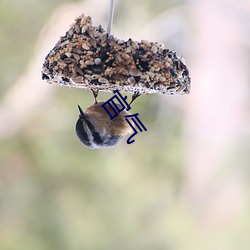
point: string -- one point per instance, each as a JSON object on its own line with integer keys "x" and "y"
{"x": 110, "y": 15}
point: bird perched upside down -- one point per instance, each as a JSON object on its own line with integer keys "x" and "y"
{"x": 95, "y": 129}
{"x": 89, "y": 57}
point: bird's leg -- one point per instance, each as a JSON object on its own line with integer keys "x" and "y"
{"x": 95, "y": 94}
{"x": 134, "y": 97}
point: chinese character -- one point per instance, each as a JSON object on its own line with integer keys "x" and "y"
{"x": 117, "y": 110}
{"x": 135, "y": 132}
{"x": 114, "y": 106}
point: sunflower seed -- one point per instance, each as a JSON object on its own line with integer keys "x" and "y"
{"x": 131, "y": 80}
{"x": 77, "y": 57}
{"x": 77, "y": 29}
{"x": 85, "y": 46}
{"x": 64, "y": 43}
{"x": 120, "y": 42}
{"x": 144, "y": 78}
{"x": 88, "y": 62}
{"x": 103, "y": 80}
{"x": 77, "y": 79}
{"x": 95, "y": 76}
{"x": 145, "y": 42}
{"x": 68, "y": 54}
{"x": 61, "y": 62}
{"x": 69, "y": 60}
{"x": 134, "y": 72}
{"x": 150, "y": 74}
{"x": 78, "y": 70}
{"x": 154, "y": 49}
{"x": 84, "y": 29}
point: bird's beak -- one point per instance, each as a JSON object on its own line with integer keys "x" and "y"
{"x": 82, "y": 115}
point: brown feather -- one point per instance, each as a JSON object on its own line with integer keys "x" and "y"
{"x": 118, "y": 126}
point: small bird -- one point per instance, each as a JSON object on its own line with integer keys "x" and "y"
{"x": 96, "y": 130}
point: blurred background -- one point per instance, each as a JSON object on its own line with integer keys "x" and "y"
{"x": 183, "y": 184}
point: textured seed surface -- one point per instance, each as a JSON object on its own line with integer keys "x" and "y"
{"x": 87, "y": 57}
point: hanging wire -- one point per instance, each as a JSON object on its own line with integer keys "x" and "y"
{"x": 110, "y": 15}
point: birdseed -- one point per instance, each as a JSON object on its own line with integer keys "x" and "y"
{"x": 87, "y": 57}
